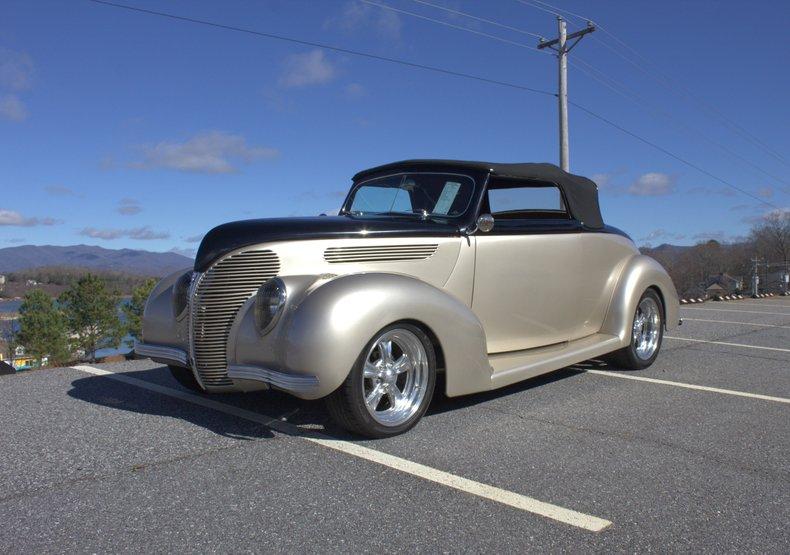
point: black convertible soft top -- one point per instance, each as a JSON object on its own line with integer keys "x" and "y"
{"x": 580, "y": 193}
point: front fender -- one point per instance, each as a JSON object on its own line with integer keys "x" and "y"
{"x": 327, "y": 324}
{"x": 160, "y": 325}
{"x": 639, "y": 273}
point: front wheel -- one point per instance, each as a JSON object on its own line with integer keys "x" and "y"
{"x": 186, "y": 378}
{"x": 646, "y": 335}
{"x": 390, "y": 386}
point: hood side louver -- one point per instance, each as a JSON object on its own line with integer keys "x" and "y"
{"x": 379, "y": 253}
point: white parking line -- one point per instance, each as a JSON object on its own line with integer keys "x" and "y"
{"x": 733, "y": 322}
{"x": 732, "y": 310}
{"x": 492, "y": 493}
{"x": 774, "y": 305}
{"x": 713, "y": 342}
{"x": 689, "y": 386}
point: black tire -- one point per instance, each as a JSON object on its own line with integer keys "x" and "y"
{"x": 627, "y": 357}
{"x": 186, "y": 378}
{"x": 346, "y": 405}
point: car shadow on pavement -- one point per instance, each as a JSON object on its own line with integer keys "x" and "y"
{"x": 309, "y": 416}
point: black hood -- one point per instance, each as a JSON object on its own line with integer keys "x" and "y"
{"x": 235, "y": 235}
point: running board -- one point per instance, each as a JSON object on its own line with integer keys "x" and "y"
{"x": 509, "y": 368}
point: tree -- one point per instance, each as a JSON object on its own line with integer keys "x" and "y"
{"x": 91, "y": 315}
{"x": 133, "y": 310}
{"x": 42, "y": 328}
{"x": 772, "y": 236}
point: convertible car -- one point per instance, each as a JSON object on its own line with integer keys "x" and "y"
{"x": 488, "y": 273}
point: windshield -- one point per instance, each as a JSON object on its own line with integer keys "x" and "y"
{"x": 418, "y": 194}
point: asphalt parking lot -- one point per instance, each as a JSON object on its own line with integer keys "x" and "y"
{"x": 692, "y": 454}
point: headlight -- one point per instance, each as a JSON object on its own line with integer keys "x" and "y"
{"x": 269, "y": 302}
{"x": 181, "y": 294}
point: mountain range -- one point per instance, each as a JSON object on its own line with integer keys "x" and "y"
{"x": 138, "y": 262}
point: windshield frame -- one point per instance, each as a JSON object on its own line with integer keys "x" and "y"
{"x": 346, "y": 209}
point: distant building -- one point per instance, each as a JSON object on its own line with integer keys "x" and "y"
{"x": 31, "y": 282}
{"x": 2, "y": 280}
{"x": 727, "y": 284}
{"x": 21, "y": 361}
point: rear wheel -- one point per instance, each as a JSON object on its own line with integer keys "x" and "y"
{"x": 185, "y": 377}
{"x": 647, "y": 333}
{"x": 391, "y": 385}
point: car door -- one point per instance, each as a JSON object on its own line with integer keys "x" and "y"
{"x": 526, "y": 267}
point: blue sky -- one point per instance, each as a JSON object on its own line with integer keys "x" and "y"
{"x": 129, "y": 130}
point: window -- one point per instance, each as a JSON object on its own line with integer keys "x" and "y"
{"x": 431, "y": 194}
{"x": 519, "y": 200}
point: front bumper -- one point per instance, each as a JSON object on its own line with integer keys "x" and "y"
{"x": 241, "y": 374}
{"x": 162, "y": 353}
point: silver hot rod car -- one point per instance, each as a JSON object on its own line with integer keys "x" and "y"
{"x": 489, "y": 273}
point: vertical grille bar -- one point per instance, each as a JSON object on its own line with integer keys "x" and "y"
{"x": 218, "y": 296}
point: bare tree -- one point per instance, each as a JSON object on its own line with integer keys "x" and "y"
{"x": 771, "y": 237}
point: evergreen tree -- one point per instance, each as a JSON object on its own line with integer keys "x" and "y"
{"x": 133, "y": 310}
{"x": 42, "y": 328}
{"x": 92, "y": 315}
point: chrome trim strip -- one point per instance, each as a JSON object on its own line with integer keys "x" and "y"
{"x": 289, "y": 382}
{"x": 161, "y": 351}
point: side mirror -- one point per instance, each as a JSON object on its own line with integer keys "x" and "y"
{"x": 485, "y": 223}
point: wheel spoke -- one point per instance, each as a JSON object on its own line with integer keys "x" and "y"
{"x": 385, "y": 350}
{"x": 370, "y": 370}
{"x": 374, "y": 397}
{"x": 403, "y": 364}
{"x": 394, "y": 394}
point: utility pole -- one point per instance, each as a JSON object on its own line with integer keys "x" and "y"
{"x": 756, "y": 277}
{"x": 560, "y": 45}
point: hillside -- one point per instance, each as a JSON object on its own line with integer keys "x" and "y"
{"x": 137, "y": 262}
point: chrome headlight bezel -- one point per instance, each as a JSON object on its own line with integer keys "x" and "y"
{"x": 269, "y": 302}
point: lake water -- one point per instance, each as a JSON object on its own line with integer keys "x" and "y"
{"x": 9, "y": 306}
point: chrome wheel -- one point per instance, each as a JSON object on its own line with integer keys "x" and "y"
{"x": 647, "y": 328}
{"x": 395, "y": 377}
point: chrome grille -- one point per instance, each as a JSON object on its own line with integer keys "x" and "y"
{"x": 218, "y": 296}
{"x": 379, "y": 253}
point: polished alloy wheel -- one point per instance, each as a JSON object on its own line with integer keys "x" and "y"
{"x": 647, "y": 328}
{"x": 395, "y": 376}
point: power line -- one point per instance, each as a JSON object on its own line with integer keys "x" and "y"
{"x": 627, "y": 92}
{"x": 477, "y": 18}
{"x": 434, "y": 69}
{"x": 452, "y": 25}
{"x": 326, "y": 47}
{"x": 591, "y": 72}
{"x": 672, "y": 154}
{"x": 662, "y": 78}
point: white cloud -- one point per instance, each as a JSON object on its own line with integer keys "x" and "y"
{"x": 11, "y": 218}
{"x": 129, "y": 207}
{"x": 144, "y": 233}
{"x": 652, "y": 184}
{"x": 61, "y": 191}
{"x": 765, "y": 192}
{"x": 189, "y": 253}
{"x": 603, "y": 180}
{"x": 210, "y": 152}
{"x": 194, "y": 238}
{"x": 310, "y": 68}
{"x": 12, "y": 108}
{"x": 16, "y": 75}
{"x": 16, "y": 70}
{"x": 356, "y": 16}
{"x": 662, "y": 234}
{"x": 719, "y": 236}
{"x": 354, "y": 90}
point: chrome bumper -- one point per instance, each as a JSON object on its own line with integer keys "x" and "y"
{"x": 162, "y": 352}
{"x": 294, "y": 383}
